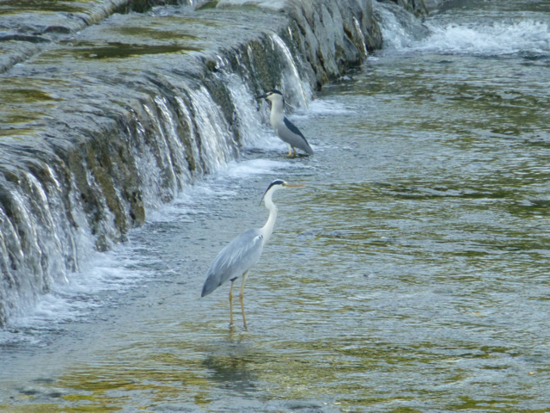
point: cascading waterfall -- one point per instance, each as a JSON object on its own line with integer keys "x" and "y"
{"x": 403, "y": 32}
{"x": 400, "y": 28}
{"x": 247, "y": 120}
{"x": 42, "y": 239}
{"x": 116, "y": 146}
{"x": 360, "y": 35}
{"x": 296, "y": 91}
{"x": 217, "y": 144}
{"x": 38, "y": 246}
{"x": 41, "y": 242}
{"x": 164, "y": 126}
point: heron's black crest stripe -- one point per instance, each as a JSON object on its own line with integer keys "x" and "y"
{"x": 275, "y": 182}
{"x": 276, "y": 91}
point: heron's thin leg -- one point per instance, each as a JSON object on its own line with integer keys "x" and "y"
{"x": 231, "y": 301}
{"x": 241, "y": 298}
{"x": 289, "y": 149}
{"x": 293, "y": 151}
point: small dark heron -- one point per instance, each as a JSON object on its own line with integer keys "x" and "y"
{"x": 285, "y": 129}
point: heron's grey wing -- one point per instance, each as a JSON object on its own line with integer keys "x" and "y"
{"x": 234, "y": 260}
{"x": 295, "y": 138}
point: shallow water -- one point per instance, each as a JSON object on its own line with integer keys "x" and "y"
{"x": 410, "y": 274}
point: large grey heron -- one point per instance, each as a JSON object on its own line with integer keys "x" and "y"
{"x": 243, "y": 252}
{"x": 285, "y": 129}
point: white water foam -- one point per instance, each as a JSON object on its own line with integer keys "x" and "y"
{"x": 498, "y": 38}
{"x": 498, "y": 35}
{"x": 400, "y": 29}
{"x": 325, "y": 107}
{"x": 244, "y": 170}
{"x": 221, "y": 185}
{"x": 74, "y": 300}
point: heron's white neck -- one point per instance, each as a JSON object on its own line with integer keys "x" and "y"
{"x": 277, "y": 112}
{"x": 267, "y": 229}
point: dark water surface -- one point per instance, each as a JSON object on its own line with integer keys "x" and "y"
{"x": 411, "y": 274}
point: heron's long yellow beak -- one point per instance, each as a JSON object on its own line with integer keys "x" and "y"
{"x": 294, "y": 185}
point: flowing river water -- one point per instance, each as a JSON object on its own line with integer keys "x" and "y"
{"x": 410, "y": 274}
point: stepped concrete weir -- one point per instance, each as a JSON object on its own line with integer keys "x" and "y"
{"x": 111, "y": 108}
